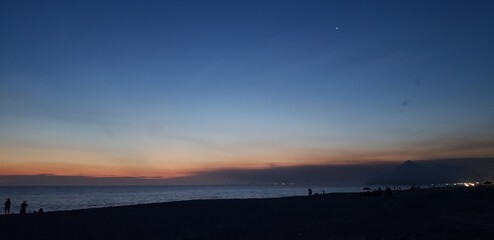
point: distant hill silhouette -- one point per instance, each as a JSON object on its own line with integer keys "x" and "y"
{"x": 434, "y": 171}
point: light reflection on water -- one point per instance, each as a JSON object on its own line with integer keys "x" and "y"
{"x": 55, "y": 198}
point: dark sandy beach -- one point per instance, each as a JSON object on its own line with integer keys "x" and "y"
{"x": 459, "y": 213}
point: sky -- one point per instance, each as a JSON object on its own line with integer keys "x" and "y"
{"x": 166, "y": 89}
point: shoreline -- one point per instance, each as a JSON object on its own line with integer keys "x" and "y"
{"x": 359, "y": 192}
{"x": 48, "y": 197}
{"x": 439, "y": 213}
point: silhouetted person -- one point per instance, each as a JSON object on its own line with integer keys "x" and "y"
{"x": 7, "y": 206}
{"x": 23, "y": 207}
{"x": 387, "y": 192}
{"x": 41, "y": 210}
{"x": 310, "y": 192}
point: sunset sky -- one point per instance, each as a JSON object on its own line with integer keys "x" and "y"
{"x": 168, "y": 88}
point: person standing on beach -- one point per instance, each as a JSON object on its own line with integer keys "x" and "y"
{"x": 310, "y": 191}
{"x": 23, "y": 207}
{"x": 7, "y": 206}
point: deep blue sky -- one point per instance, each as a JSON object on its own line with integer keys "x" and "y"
{"x": 159, "y": 88}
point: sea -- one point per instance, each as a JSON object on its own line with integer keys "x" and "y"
{"x": 61, "y": 198}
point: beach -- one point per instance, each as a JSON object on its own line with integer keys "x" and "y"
{"x": 441, "y": 213}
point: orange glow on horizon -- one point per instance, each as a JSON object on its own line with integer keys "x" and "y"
{"x": 168, "y": 165}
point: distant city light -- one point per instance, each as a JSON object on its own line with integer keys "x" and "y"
{"x": 468, "y": 184}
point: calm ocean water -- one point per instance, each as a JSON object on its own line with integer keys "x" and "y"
{"x": 53, "y": 198}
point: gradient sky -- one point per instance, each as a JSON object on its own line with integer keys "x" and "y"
{"x": 166, "y": 88}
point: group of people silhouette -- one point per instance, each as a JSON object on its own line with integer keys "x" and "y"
{"x": 310, "y": 192}
{"x": 377, "y": 192}
{"x": 8, "y": 203}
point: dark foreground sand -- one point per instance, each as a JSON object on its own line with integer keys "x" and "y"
{"x": 461, "y": 213}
